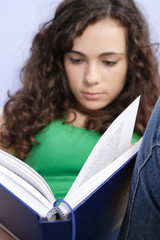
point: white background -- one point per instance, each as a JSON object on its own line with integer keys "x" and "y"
{"x": 20, "y": 20}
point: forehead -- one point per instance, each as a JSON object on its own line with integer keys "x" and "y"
{"x": 105, "y": 35}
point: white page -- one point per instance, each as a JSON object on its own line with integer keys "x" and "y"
{"x": 81, "y": 193}
{"x": 20, "y": 182}
{"x": 22, "y": 194}
{"x": 27, "y": 173}
{"x": 115, "y": 141}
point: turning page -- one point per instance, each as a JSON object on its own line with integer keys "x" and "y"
{"x": 113, "y": 143}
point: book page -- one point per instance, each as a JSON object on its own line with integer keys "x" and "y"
{"x": 115, "y": 141}
{"x": 27, "y": 173}
{"x": 27, "y": 194}
{"x": 81, "y": 193}
{"x": 20, "y": 182}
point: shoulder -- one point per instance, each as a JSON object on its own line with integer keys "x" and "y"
{"x": 1, "y": 127}
{"x": 9, "y": 150}
{"x": 1, "y": 124}
{"x": 1, "y": 121}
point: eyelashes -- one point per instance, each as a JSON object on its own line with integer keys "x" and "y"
{"x": 79, "y": 61}
{"x": 110, "y": 63}
{"x": 76, "y": 60}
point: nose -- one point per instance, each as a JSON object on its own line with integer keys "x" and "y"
{"x": 92, "y": 74}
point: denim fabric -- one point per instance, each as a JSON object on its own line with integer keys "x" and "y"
{"x": 142, "y": 217}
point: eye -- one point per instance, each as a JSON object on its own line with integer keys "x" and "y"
{"x": 76, "y": 60}
{"x": 109, "y": 63}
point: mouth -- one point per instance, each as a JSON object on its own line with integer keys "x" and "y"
{"x": 92, "y": 96}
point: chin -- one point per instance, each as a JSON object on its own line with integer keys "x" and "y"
{"x": 92, "y": 109}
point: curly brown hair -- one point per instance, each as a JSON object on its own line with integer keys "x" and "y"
{"x": 46, "y": 95}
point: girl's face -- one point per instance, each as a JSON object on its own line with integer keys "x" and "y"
{"x": 96, "y": 66}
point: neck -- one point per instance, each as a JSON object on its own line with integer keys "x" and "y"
{"x": 76, "y": 118}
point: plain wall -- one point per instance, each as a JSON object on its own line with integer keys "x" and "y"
{"x": 20, "y": 20}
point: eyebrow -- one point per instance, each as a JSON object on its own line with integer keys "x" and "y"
{"x": 101, "y": 55}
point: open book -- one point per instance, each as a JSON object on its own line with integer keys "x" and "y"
{"x": 110, "y": 153}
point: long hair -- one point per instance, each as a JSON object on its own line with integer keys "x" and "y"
{"x": 46, "y": 95}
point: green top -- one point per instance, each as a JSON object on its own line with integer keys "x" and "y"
{"x": 61, "y": 154}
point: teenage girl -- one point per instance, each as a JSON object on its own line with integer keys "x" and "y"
{"x": 86, "y": 65}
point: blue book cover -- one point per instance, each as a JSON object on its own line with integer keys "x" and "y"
{"x": 97, "y": 217}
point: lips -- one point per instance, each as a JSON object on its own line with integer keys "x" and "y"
{"x": 92, "y": 96}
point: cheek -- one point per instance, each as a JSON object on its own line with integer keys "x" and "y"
{"x": 69, "y": 75}
{"x": 120, "y": 84}
{"x": 73, "y": 83}
{"x": 116, "y": 81}
{"x": 74, "y": 78}
{"x": 122, "y": 75}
